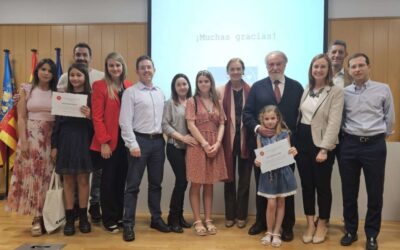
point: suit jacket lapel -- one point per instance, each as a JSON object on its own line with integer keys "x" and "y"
{"x": 322, "y": 98}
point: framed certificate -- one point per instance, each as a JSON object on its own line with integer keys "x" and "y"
{"x": 67, "y": 104}
{"x": 274, "y": 156}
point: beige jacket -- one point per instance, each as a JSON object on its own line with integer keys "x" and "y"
{"x": 327, "y": 117}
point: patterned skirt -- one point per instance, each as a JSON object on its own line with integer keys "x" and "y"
{"x": 31, "y": 176}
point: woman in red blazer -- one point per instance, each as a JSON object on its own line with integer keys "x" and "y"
{"x": 110, "y": 152}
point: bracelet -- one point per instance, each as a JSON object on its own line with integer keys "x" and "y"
{"x": 205, "y": 144}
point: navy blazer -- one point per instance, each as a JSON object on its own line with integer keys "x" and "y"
{"x": 262, "y": 94}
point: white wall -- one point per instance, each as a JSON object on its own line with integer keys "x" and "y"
{"x": 105, "y": 11}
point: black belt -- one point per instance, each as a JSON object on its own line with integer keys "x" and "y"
{"x": 365, "y": 139}
{"x": 149, "y": 136}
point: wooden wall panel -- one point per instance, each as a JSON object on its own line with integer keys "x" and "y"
{"x": 57, "y": 40}
{"x": 366, "y": 34}
{"x": 69, "y": 43}
{"x": 107, "y": 41}
{"x": 95, "y": 43}
{"x": 82, "y": 33}
{"x": 44, "y": 41}
{"x": 18, "y": 54}
{"x": 137, "y": 46}
{"x": 381, "y": 52}
{"x": 31, "y": 42}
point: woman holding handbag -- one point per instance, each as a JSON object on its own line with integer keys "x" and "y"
{"x": 33, "y": 168}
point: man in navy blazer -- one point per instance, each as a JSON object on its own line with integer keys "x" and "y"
{"x": 279, "y": 90}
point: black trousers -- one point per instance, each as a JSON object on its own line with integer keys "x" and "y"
{"x": 237, "y": 202}
{"x": 358, "y": 154}
{"x": 261, "y": 206}
{"x": 315, "y": 177}
{"x": 176, "y": 158}
{"x": 112, "y": 184}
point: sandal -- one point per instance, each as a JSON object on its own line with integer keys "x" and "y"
{"x": 199, "y": 229}
{"x": 266, "y": 240}
{"x": 210, "y": 227}
{"x": 276, "y": 240}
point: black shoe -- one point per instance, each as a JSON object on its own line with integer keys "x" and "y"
{"x": 176, "y": 228}
{"x": 348, "y": 239}
{"x": 113, "y": 229}
{"x": 184, "y": 223}
{"x": 84, "y": 225}
{"x": 174, "y": 224}
{"x": 76, "y": 211}
{"x": 95, "y": 213}
{"x": 69, "y": 227}
{"x": 160, "y": 226}
{"x": 287, "y": 235}
{"x": 128, "y": 234}
{"x": 371, "y": 244}
{"x": 257, "y": 228}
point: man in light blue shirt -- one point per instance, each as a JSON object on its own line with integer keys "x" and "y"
{"x": 368, "y": 118}
{"x": 140, "y": 121}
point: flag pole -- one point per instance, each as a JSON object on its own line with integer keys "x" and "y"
{"x": 7, "y": 167}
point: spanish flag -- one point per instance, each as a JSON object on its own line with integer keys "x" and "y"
{"x": 34, "y": 62}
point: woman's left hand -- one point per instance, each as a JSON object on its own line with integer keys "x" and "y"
{"x": 214, "y": 149}
{"x": 321, "y": 156}
{"x": 85, "y": 110}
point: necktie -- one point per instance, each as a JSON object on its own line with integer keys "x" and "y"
{"x": 277, "y": 91}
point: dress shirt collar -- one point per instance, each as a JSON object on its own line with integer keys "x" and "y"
{"x": 142, "y": 86}
{"x": 362, "y": 87}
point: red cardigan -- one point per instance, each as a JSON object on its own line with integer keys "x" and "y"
{"x": 105, "y": 116}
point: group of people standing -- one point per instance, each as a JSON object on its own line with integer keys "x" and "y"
{"x": 211, "y": 137}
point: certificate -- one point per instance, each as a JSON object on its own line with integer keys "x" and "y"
{"x": 67, "y": 104}
{"x": 274, "y": 156}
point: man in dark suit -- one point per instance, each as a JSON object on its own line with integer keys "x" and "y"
{"x": 279, "y": 90}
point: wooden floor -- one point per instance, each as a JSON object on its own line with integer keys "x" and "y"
{"x": 15, "y": 231}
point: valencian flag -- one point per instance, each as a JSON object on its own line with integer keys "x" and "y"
{"x": 58, "y": 63}
{"x": 33, "y": 64}
{"x": 8, "y": 123}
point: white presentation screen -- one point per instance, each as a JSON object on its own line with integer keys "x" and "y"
{"x": 186, "y": 36}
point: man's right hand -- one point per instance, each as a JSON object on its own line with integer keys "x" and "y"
{"x": 265, "y": 132}
{"x": 135, "y": 152}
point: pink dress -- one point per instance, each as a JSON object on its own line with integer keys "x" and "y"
{"x": 31, "y": 176}
{"x": 200, "y": 168}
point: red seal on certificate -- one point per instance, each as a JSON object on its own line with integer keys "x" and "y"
{"x": 58, "y": 97}
{"x": 262, "y": 153}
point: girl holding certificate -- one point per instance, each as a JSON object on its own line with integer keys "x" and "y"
{"x": 275, "y": 185}
{"x": 33, "y": 168}
{"x": 70, "y": 143}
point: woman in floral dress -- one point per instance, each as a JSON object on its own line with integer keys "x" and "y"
{"x": 33, "y": 167}
{"x": 205, "y": 162}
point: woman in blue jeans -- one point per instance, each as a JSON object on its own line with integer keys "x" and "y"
{"x": 174, "y": 126}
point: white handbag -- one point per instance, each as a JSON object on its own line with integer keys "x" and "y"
{"x": 53, "y": 208}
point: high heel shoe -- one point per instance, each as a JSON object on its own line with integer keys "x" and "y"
{"x": 308, "y": 237}
{"x": 36, "y": 229}
{"x": 321, "y": 237}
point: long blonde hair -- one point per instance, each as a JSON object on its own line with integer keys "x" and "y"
{"x": 112, "y": 86}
